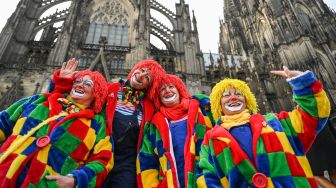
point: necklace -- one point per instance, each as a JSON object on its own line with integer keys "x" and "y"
{"x": 130, "y": 94}
{"x": 68, "y": 106}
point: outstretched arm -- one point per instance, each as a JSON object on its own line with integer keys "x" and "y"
{"x": 286, "y": 73}
{"x": 313, "y": 107}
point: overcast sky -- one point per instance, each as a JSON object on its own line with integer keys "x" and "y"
{"x": 207, "y": 15}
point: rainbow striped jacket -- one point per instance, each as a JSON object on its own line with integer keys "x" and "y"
{"x": 79, "y": 144}
{"x": 279, "y": 144}
{"x": 155, "y": 161}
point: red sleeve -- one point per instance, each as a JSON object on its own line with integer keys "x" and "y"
{"x": 61, "y": 84}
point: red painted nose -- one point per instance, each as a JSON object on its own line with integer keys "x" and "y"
{"x": 233, "y": 98}
{"x": 80, "y": 85}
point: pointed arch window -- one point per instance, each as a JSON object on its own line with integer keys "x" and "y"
{"x": 116, "y": 34}
{"x": 305, "y": 21}
{"x": 304, "y": 17}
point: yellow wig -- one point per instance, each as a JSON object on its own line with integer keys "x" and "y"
{"x": 225, "y": 85}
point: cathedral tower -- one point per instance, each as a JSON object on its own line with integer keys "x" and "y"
{"x": 257, "y": 36}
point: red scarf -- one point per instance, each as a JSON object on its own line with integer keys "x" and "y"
{"x": 177, "y": 112}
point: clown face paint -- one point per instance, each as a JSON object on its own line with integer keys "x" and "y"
{"x": 82, "y": 91}
{"x": 232, "y": 102}
{"x": 169, "y": 96}
{"x": 140, "y": 79}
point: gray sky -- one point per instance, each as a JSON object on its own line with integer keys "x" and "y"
{"x": 207, "y": 15}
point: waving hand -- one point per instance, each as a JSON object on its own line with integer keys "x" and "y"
{"x": 68, "y": 69}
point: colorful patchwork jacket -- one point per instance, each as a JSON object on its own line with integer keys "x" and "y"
{"x": 279, "y": 144}
{"x": 155, "y": 162}
{"x": 64, "y": 85}
{"x": 78, "y": 145}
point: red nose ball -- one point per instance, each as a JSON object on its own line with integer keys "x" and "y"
{"x": 233, "y": 98}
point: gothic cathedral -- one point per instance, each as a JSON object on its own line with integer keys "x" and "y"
{"x": 110, "y": 36}
{"x": 257, "y": 36}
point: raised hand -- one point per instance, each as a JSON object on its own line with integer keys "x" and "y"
{"x": 68, "y": 69}
{"x": 286, "y": 73}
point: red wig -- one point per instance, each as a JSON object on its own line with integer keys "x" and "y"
{"x": 174, "y": 80}
{"x": 99, "y": 88}
{"x": 156, "y": 72}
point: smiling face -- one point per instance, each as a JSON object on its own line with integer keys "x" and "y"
{"x": 140, "y": 79}
{"x": 169, "y": 96}
{"x": 232, "y": 102}
{"x": 82, "y": 91}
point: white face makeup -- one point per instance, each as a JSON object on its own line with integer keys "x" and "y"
{"x": 140, "y": 79}
{"x": 169, "y": 96}
{"x": 232, "y": 102}
{"x": 233, "y": 105}
{"x": 82, "y": 91}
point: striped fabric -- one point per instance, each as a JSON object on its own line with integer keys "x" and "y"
{"x": 155, "y": 162}
{"x": 78, "y": 144}
{"x": 126, "y": 108}
{"x": 279, "y": 144}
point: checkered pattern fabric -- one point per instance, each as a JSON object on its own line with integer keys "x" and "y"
{"x": 79, "y": 144}
{"x": 279, "y": 144}
{"x": 156, "y": 166}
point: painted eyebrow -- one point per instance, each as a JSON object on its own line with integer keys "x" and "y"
{"x": 163, "y": 88}
{"x": 88, "y": 81}
{"x": 228, "y": 93}
{"x": 144, "y": 70}
{"x": 167, "y": 85}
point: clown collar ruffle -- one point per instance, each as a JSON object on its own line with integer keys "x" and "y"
{"x": 235, "y": 120}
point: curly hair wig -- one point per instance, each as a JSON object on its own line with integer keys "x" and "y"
{"x": 99, "y": 88}
{"x": 173, "y": 80}
{"x": 225, "y": 85}
{"x": 156, "y": 72}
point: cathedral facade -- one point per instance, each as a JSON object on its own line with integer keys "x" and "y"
{"x": 110, "y": 36}
{"x": 257, "y": 36}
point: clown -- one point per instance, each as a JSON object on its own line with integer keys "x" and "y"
{"x": 128, "y": 107}
{"x": 246, "y": 149}
{"x": 50, "y": 138}
{"x": 170, "y": 147}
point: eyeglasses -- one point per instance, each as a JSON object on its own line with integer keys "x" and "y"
{"x": 86, "y": 83}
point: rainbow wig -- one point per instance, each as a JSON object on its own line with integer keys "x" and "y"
{"x": 99, "y": 88}
{"x": 173, "y": 80}
{"x": 225, "y": 85}
{"x": 156, "y": 72}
